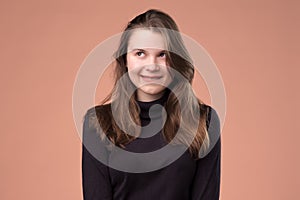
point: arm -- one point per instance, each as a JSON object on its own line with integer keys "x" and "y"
{"x": 95, "y": 175}
{"x": 206, "y": 185}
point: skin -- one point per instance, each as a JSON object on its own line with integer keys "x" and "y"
{"x": 147, "y": 66}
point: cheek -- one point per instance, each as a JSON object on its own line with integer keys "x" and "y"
{"x": 132, "y": 62}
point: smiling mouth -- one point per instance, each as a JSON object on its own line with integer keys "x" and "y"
{"x": 151, "y": 77}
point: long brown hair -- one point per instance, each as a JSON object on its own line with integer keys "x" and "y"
{"x": 195, "y": 136}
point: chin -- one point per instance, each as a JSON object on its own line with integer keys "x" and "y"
{"x": 152, "y": 89}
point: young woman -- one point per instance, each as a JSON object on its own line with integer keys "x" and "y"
{"x": 152, "y": 68}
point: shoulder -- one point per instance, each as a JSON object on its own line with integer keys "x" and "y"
{"x": 212, "y": 118}
{"x": 214, "y": 133}
{"x": 93, "y": 114}
{"x": 97, "y": 110}
{"x": 92, "y": 111}
{"x": 95, "y": 144}
{"x": 211, "y": 115}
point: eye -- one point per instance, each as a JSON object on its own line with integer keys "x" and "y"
{"x": 162, "y": 54}
{"x": 139, "y": 53}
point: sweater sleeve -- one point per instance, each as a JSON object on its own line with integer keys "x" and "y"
{"x": 95, "y": 175}
{"x": 206, "y": 184}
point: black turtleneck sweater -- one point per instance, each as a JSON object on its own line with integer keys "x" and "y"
{"x": 184, "y": 179}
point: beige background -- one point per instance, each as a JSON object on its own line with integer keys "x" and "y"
{"x": 254, "y": 43}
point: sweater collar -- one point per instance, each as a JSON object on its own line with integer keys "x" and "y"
{"x": 145, "y": 106}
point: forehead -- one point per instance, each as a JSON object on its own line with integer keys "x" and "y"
{"x": 143, "y": 38}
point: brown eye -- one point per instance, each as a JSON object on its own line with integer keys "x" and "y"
{"x": 162, "y": 54}
{"x": 140, "y": 53}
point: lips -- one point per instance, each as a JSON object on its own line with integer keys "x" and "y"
{"x": 150, "y": 78}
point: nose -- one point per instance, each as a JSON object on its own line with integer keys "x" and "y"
{"x": 153, "y": 65}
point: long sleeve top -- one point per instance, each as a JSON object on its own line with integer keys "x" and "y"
{"x": 184, "y": 179}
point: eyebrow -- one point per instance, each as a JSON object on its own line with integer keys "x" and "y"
{"x": 139, "y": 49}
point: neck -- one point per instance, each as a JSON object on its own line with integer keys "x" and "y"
{"x": 149, "y": 97}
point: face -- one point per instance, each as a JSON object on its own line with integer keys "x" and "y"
{"x": 147, "y": 66}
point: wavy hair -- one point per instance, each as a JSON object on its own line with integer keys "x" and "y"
{"x": 194, "y": 137}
